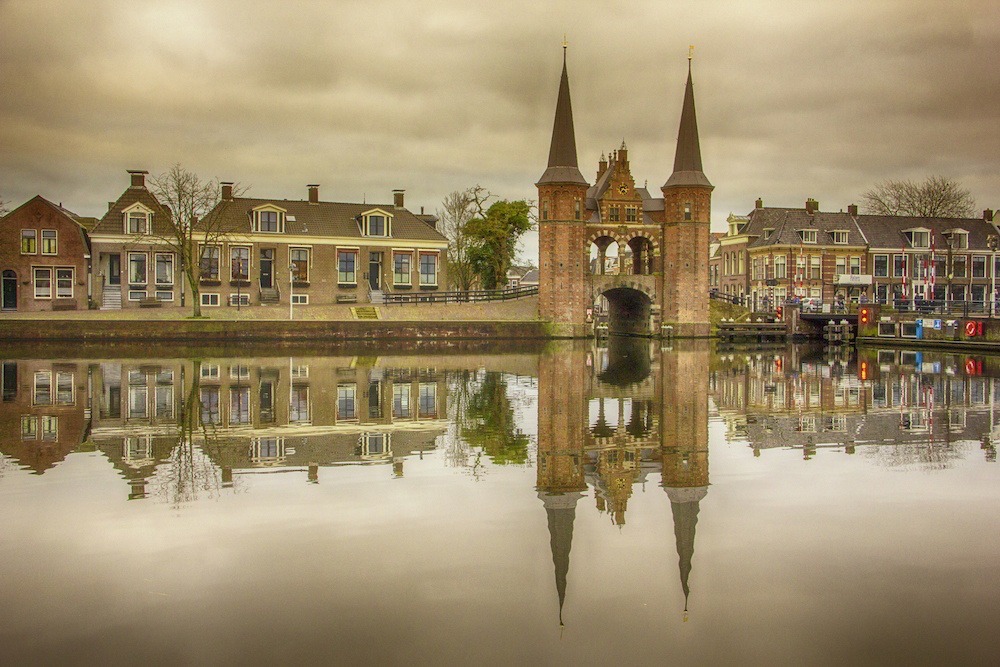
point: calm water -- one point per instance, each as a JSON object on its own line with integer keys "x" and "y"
{"x": 576, "y": 505}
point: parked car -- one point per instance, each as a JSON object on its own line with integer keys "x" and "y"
{"x": 812, "y": 305}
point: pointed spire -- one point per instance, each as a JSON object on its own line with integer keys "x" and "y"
{"x": 687, "y": 159}
{"x": 562, "y": 167}
{"x": 685, "y": 520}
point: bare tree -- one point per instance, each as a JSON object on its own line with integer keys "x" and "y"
{"x": 935, "y": 197}
{"x": 459, "y": 208}
{"x": 4, "y": 209}
{"x": 191, "y": 232}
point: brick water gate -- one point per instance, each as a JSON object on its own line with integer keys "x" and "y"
{"x": 613, "y": 250}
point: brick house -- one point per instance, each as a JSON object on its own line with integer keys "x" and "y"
{"x": 317, "y": 252}
{"x": 132, "y": 263}
{"x": 44, "y": 258}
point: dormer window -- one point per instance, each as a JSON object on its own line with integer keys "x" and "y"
{"x": 808, "y": 235}
{"x": 839, "y": 236}
{"x": 918, "y": 238}
{"x": 767, "y": 233}
{"x": 269, "y": 220}
{"x": 959, "y": 239}
{"x": 376, "y": 223}
{"x": 137, "y": 219}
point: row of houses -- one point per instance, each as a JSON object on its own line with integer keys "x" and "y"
{"x": 774, "y": 254}
{"x": 259, "y": 252}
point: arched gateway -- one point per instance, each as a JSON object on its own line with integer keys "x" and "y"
{"x": 612, "y": 249}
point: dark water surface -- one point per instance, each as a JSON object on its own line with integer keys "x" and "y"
{"x": 575, "y": 505}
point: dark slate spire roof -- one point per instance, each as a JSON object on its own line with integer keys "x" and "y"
{"x": 687, "y": 160}
{"x": 685, "y": 520}
{"x": 563, "y": 166}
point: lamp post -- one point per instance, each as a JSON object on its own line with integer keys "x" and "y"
{"x": 291, "y": 283}
{"x": 991, "y": 243}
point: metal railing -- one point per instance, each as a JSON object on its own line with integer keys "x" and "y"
{"x": 461, "y": 297}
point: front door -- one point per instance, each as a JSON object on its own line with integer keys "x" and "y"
{"x": 266, "y": 268}
{"x": 375, "y": 270}
{"x": 9, "y": 290}
{"x": 114, "y": 269}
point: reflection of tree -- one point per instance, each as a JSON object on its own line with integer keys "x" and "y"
{"x": 488, "y": 421}
{"x": 188, "y": 472}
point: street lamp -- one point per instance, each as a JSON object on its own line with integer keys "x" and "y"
{"x": 992, "y": 243}
{"x": 291, "y": 284}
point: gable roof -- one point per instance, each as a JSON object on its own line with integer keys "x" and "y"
{"x": 112, "y": 222}
{"x": 327, "y": 219}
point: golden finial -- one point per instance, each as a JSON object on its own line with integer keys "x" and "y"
{"x": 690, "y": 51}
{"x": 564, "y": 42}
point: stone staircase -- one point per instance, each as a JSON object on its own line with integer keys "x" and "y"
{"x": 376, "y": 296}
{"x": 111, "y": 299}
{"x": 269, "y": 296}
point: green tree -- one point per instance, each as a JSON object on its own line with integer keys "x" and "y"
{"x": 488, "y": 422}
{"x": 493, "y": 240}
{"x": 935, "y": 197}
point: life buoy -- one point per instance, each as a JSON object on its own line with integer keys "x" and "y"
{"x": 970, "y": 367}
{"x": 970, "y": 328}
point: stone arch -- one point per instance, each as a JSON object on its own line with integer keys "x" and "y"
{"x": 598, "y": 249}
{"x": 629, "y": 309}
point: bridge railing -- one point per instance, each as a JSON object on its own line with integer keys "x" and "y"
{"x": 461, "y": 297}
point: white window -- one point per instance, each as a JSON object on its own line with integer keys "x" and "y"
{"x": 377, "y": 225}
{"x": 164, "y": 295}
{"x": 269, "y": 221}
{"x": 299, "y": 259}
{"x": 959, "y": 241}
{"x": 137, "y": 268}
{"x": 840, "y": 237}
{"x": 815, "y": 267}
{"x": 50, "y": 242}
{"x": 210, "y": 372}
{"x": 401, "y": 401}
{"x": 428, "y": 268}
{"x": 841, "y": 266}
{"x": 43, "y": 283}
{"x": 347, "y": 263}
{"x": 780, "y": 270}
{"x": 427, "y": 405}
{"x": 50, "y": 427}
{"x": 347, "y": 407}
{"x": 29, "y": 242}
{"x": 808, "y": 235}
{"x": 65, "y": 389}
{"x": 165, "y": 402}
{"x": 881, "y": 266}
{"x": 767, "y": 233}
{"x": 29, "y": 427}
{"x": 137, "y": 222}
{"x": 240, "y": 263}
{"x": 64, "y": 283}
{"x": 402, "y": 269}
{"x": 209, "y": 299}
{"x": 855, "y": 266}
{"x": 300, "y": 299}
{"x": 239, "y": 405}
{"x": 164, "y": 268}
{"x": 239, "y": 372}
{"x": 298, "y": 412}
{"x": 138, "y": 402}
{"x": 239, "y": 299}
{"x": 300, "y": 372}
{"x": 210, "y": 262}
{"x": 918, "y": 238}
{"x": 43, "y": 388}
{"x": 136, "y": 295}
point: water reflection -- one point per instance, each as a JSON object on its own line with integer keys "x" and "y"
{"x": 613, "y": 423}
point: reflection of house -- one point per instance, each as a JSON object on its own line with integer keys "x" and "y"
{"x": 263, "y": 413}
{"x": 330, "y": 252}
{"x": 43, "y": 258}
{"x": 43, "y": 413}
{"x": 522, "y": 276}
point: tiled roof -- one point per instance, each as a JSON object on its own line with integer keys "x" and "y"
{"x": 886, "y": 231}
{"x": 328, "y": 219}
{"x": 113, "y": 223}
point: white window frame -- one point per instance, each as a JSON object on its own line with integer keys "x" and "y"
{"x": 409, "y": 274}
{"x": 29, "y": 234}
{"x": 249, "y": 258}
{"x": 55, "y": 242}
{"x": 808, "y": 235}
{"x": 128, "y": 267}
{"x": 204, "y": 254}
{"x": 60, "y": 294}
{"x": 170, "y": 263}
{"x": 888, "y": 265}
{"x": 300, "y": 299}
{"x": 420, "y": 267}
{"x": 840, "y": 236}
{"x": 242, "y": 298}
{"x": 40, "y": 292}
{"x": 140, "y": 212}
{"x": 269, "y": 208}
{"x": 780, "y": 266}
{"x": 346, "y": 251}
{"x": 164, "y": 295}
{"x": 293, "y": 262}
{"x": 366, "y": 218}
{"x": 210, "y": 299}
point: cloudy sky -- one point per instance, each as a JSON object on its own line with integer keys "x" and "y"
{"x": 796, "y": 99}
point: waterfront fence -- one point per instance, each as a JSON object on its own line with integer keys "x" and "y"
{"x": 461, "y": 297}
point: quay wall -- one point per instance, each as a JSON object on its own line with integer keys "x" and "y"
{"x": 251, "y": 331}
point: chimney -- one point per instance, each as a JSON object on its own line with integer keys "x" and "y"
{"x": 759, "y": 203}
{"x": 602, "y": 166}
{"x": 811, "y": 206}
{"x": 852, "y": 209}
{"x": 111, "y": 205}
{"x": 227, "y": 191}
{"x": 313, "y": 193}
{"x": 138, "y": 177}
{"x": 397, "y": 198}
{"x": 988, "y": 215}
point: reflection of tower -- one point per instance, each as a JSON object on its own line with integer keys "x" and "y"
{"x": 684, "y": 388}
{"x": 562, "y": 421}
